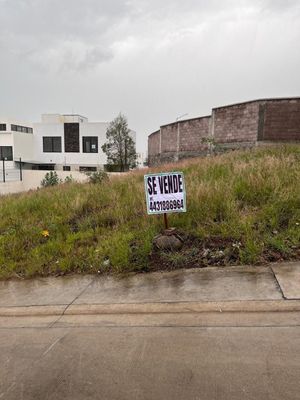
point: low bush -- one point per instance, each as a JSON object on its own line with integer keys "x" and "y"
{"x": 69, "y": 179}
{"x": 51, "y": 179}
{"x": 98, "y": 177}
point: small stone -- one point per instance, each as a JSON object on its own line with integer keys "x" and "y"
{"x": 205, "y": 253}
{"x": 170, "y": 232}
{"x": 167, "y": 242}
{"x": 106, "y": 263}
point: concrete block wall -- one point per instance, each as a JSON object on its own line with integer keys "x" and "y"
{"x": 281, "y": 120}
{"x": 154, "y": 143}
{"x": 234, "y": 126}
{"x": 162, "y": 144}
{"x": 168, "y": 138}
{"x": 192, "y": 133}
{"x": 236, "y": 123}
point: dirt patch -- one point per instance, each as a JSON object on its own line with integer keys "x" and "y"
{"x": 196, "y": 253}
{"x": 215, "y": 251}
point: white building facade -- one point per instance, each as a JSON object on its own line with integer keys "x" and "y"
{"x": 16, "y": 141}
{"x": 58, "y": 142}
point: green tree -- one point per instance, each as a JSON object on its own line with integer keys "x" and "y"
{"x": 120, "y": 147}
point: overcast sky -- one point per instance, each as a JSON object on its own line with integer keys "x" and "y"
{"x": 153, "y": 60}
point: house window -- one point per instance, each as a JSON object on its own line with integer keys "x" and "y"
{"x": 51, "y": 144}
{"x": 90, "y": 144}
{"x": 87, "y": 169}
{"x": 18, "y": 128}
{"x": 71, "y": 131}
{"x": 66, "y": 168}
{"x": 43, "y": 167}
{"x": 6, "y": 153}
{"x": 2, "y": 127}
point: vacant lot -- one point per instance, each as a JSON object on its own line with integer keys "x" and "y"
{"x": 243, "y": 207}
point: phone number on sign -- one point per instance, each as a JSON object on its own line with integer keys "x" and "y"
{"x": 166, "y": 205}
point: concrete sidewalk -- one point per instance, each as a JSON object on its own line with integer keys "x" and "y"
{"x": 272, "y": 288}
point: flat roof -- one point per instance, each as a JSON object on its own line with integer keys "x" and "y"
{"x": 71, "y": 115}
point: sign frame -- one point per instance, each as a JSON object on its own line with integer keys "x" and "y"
{"x": 165, "y": 211}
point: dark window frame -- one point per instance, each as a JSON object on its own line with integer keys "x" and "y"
{"x": 43, "y": 167}
{"x": 72, "y": 137}
{"x": 66, "y": 168}
{"x": 7, "y": 157}
{"x": 2, "y": 127}
{"x": 89, "y": 139}
{"x": 52, "y": 147}
{"x": 19, "y": 128}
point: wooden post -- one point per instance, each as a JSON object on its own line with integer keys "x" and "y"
{"x": 166, "y": 221}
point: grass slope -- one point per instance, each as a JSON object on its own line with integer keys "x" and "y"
{"x": 243, "y": 207}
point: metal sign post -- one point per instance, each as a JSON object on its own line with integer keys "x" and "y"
{"x": 166, "y": 221}
{"x": 21, "y": 173}
{"x": 3, "y": 161}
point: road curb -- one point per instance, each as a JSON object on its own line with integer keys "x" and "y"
{"x": 154, "y": 308}
{"x": 29, "y": 311}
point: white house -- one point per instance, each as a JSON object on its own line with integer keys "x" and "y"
{"x": 60, "y": 142}
{"x": 16, "y": 141}
{"x": 69, "y": 142}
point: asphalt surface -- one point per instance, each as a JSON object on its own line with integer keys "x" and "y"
{"x": 162, "y": 356}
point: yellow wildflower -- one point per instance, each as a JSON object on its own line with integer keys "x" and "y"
{"x": 45, "y": 233}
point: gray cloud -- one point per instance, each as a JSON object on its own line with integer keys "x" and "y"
{"x": 280, "y": 5}
{"x": 151, "y": 59}
{"x": 69, "y": 33}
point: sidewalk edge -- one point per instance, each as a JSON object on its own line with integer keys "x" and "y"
{"x": 154, "y": 308}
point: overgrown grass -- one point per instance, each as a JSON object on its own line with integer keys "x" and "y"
{"x": 251, "y": 197}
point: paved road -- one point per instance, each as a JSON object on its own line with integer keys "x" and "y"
{"x": 162, "y": 356}
{"x": 196, "y": 334}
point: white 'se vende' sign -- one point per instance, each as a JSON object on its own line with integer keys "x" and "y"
{"x": 165, "y": 193}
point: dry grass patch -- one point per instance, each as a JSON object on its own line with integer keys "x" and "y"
{"x": 243, "y": 207}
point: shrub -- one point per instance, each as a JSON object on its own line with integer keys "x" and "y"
{"x": 69, "y": 179}
{"x": 98, "y": 177}
{"x": 51, "y": 179}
